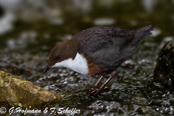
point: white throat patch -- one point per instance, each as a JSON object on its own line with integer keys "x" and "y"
{"x": 79, "y": 64}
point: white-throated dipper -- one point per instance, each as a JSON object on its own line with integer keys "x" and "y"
{"x": 97, "y": 51}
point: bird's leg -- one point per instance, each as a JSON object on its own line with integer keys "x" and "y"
{"x": 103, "y": 86}
{"x": 93, "y": 90}
{"x": 99, "y": 80}
{"x": 112, "y": 75}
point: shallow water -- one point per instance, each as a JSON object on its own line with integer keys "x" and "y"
{"x": 24, "y": 52}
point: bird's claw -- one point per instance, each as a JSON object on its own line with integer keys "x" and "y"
{"x": 92, "y": 92}
{"x": 96, "y": 91}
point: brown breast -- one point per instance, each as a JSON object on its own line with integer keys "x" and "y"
{"x": 93, "y": 69}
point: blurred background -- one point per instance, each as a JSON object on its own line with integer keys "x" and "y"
{"x": 30, "y": 28}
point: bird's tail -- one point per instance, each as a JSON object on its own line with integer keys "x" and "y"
{"x": 141, "y": 33}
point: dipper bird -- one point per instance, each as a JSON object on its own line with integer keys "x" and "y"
{"x": 97, "y": 51}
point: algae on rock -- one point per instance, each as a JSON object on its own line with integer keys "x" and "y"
{"x": 18, "y": 92}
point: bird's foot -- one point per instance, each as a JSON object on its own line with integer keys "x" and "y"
{"x": 96, "y": 91}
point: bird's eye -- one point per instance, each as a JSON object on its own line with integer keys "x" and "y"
{"x": 57, "y": 57}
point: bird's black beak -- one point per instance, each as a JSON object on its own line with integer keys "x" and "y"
{"x": 46, "y": 68}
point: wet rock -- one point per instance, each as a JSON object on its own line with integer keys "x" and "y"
{"x": 164, "y": 71}
{"x": 18, "y": 92}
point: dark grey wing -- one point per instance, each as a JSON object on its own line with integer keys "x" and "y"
{"x": 122, "y": 37}
{"x": 103, "y": 45}
{"x": 98, "y": 38}
{"x": 93, "y": 39}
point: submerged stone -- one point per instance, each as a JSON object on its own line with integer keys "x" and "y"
{"x": 18, "y": 92}
{"x": 164, "y": 70}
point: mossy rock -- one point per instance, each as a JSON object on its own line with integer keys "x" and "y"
{"x": 164, "y": 70}
{"x": 18, "y": 92}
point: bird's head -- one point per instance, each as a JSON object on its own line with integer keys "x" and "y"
{"x": 60, "y": 53}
